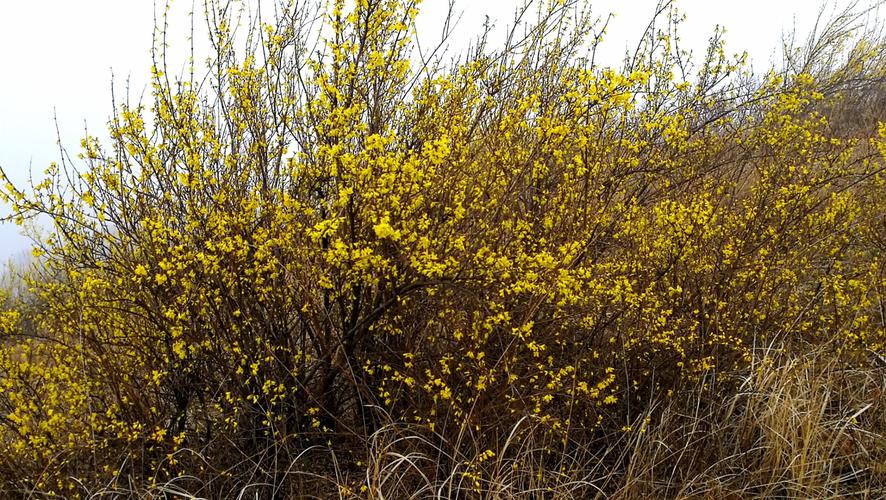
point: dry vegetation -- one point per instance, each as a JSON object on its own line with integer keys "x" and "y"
{"x": 336, "y": 263}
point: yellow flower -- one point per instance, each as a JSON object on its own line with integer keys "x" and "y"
{"x": 384, "y": 230}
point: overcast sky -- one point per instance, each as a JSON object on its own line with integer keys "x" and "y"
{"x": 58, "y": 57}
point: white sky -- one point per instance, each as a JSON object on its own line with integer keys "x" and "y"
{"x": 57, "y": 57}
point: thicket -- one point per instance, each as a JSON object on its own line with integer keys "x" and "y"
{"x": 340, "y": 263}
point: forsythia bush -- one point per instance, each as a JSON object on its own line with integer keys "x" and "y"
{"x": 312, "y": 242}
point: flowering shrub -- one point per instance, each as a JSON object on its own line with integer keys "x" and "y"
{"x": 311, "y": 244}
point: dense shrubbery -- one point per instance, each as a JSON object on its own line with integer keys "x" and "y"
{"x": 316, "y": 256}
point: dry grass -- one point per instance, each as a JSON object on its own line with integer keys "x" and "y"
{"x": 799, "y": 427}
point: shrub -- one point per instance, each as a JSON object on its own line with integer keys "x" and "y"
{"x": 313, "y": 244}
